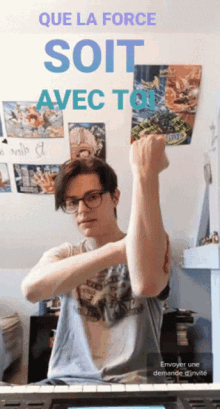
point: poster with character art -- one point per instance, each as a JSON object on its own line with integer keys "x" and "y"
{"x": 87, "y": 139}
{"x": 38, "y": 179}
{"x": 176, "y": 93}
{"x": 24, "y": 120}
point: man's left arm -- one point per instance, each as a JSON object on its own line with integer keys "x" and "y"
{"x": 147, "y": 244}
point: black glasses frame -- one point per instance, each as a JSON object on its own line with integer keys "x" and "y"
{"x": 63, "y": 204}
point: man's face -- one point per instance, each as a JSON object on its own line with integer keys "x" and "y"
{"x": 92, "y": 222}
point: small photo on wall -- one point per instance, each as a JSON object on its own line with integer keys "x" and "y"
{"x": 87, "y": 139}
{"x": 172, "y": 93}
{"x": 38, "y": 179}
{"x": 23, "y": 120}
{"x": 5, "y": 185}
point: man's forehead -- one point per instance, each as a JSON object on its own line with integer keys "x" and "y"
{"x": 83, "y": 183}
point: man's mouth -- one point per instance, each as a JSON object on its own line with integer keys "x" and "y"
{"x": 87, "y": 221}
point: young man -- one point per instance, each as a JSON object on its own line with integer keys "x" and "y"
{"x": 112, "y": 286}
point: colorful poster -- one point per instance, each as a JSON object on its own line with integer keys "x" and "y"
{"x": 175, "y": 92}
{"x": 5, "y": 185}
{"x": 23, "y": 120}
{"x": 38, "y": 179}
{"x": 87, "y": 139}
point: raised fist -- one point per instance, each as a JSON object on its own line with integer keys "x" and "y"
{"x": 147, "y": 155}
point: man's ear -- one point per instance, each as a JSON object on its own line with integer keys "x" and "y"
{"x": 116, "y": 196}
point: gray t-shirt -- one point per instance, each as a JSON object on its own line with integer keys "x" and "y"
{"x": 104, "y": 333}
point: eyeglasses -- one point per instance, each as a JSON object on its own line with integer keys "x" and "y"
{"x": 92, "y": 200}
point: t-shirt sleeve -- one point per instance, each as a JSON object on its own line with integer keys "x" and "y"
{"x": 167, "y": 261}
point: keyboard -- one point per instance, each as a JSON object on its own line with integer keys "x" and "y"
{"x": 167, "y": 396}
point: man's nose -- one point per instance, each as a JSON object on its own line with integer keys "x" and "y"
{"x": 82, "y": 207}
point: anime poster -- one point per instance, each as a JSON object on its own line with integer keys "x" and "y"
{"x": 23, "y": 120}
{"x": 87, "y": 139}
{"x": 176, "y": 92}
{"x": 5, "y": 185}
{"x": 37, "y": 179}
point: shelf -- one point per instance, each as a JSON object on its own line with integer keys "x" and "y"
{"x": 206, "y": 256}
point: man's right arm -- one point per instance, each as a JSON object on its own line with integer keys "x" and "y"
{"x": 51, "y": 278}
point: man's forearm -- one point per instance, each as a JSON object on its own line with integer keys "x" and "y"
{"x": 146, "y": 239}
{"x": 61, "y": 276}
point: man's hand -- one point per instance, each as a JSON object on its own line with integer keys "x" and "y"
{"x": 147, "y": 155}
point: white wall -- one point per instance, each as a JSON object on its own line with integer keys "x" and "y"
{"x": 173, "y": 16}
